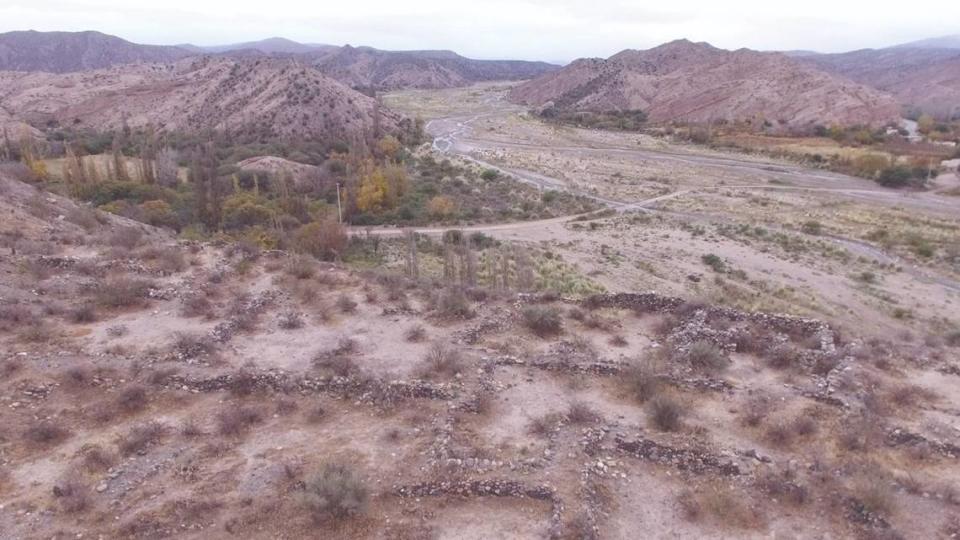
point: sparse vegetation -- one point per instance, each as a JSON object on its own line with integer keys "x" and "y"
{"x": 335, "y": 493}
{"x": 46, "y": 433}
{"x": 707, "y": 357}
{"x": 122, "y": 292}
{"x": 581, "y": 413}
{"x": 141, "y": 437}
{"x": 234, "y": 421}
{"x": 642, "y": 381}
{"x": 665, "y": 412}
{"x": 415, "y": 334}
{"x": 543, "y": 321}
{"x": 442, "y": 360}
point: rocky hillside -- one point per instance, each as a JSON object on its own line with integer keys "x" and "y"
{"x": 359, "y": 67}
{"x": 364, "y": 67}
{"x": 62, "y": 52}
{"x": 252, "y": 97}
{"x": 918, "y": 77}
{"x": 695, "y": 82}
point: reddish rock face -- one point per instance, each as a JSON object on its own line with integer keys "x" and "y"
{"x": 695, "y": 82}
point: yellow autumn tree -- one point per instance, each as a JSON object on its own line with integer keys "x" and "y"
{"x": 441, "y": 206}
{"x": 372, "y": 194}
{"x": 925, "y": 124}
{"x": 397, "y": 182}
{"x": 389, "y": 146}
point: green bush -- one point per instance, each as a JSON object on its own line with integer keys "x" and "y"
{"x": 812, "y": 227}
{"x": 714, "y": 262}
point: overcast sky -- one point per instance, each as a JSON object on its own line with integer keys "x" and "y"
{"x": 556, "y": 30}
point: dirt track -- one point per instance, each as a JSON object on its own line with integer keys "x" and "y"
{"x": 489, "y": 126}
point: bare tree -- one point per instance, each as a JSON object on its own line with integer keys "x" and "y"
{"x": 413, "y": 262}
{"x": 168, "y": 169}
{"x": 119, "y": 161}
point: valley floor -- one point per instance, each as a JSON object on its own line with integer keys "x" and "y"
{"x": 794, "y": 374}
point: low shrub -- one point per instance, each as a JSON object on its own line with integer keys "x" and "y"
{"x": 291, "y": 320}
{"x": 123, "y": 292}
{"x": 665, "y": 413}
{"x": 72, "y": 494}
{"x": 336, "y": 493}
{"x": 453, "y": 304}
{"x": 581, "y": 413}
{"x": 141, "y": 437}
{"x": 707, "y": 357}
{"x": 45, "y": 433}
{"x": 415, "y": 334}
{"x": 235, "y": 421}
{"x": 132, "y": 399}
{"x": 642, "y": 382}
{"x": 302, "y": 267}
{"x": 442, "y": 360}
{"x": 346, "y": 304}
{"x": 84, "y": 313}
{"x": 543, "y": 321}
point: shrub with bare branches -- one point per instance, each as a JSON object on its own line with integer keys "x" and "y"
{"x": 141, "y": 437}
{"x": 543, "y": 321}
{"x": 234, "y": 421}
{"x": 336, "y": 492}
{"x": 665, "y": 413}
{"x": 72, "y": 494}
{"x": 442, "y": 361}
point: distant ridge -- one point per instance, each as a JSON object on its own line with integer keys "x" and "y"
{"x": 942, "y": 42}
{"x": 63, "y": 52}
{"x": 697, "y": 82}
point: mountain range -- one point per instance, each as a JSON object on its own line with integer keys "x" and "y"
{"x": 366, "y": 67}
{"x": 696, "y": 82}
{"x": 278, "y": 87}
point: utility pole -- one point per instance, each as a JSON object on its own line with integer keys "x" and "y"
{"x": 339, "y": 208}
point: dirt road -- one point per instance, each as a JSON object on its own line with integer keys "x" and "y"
{"x": 457, "y": 136}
